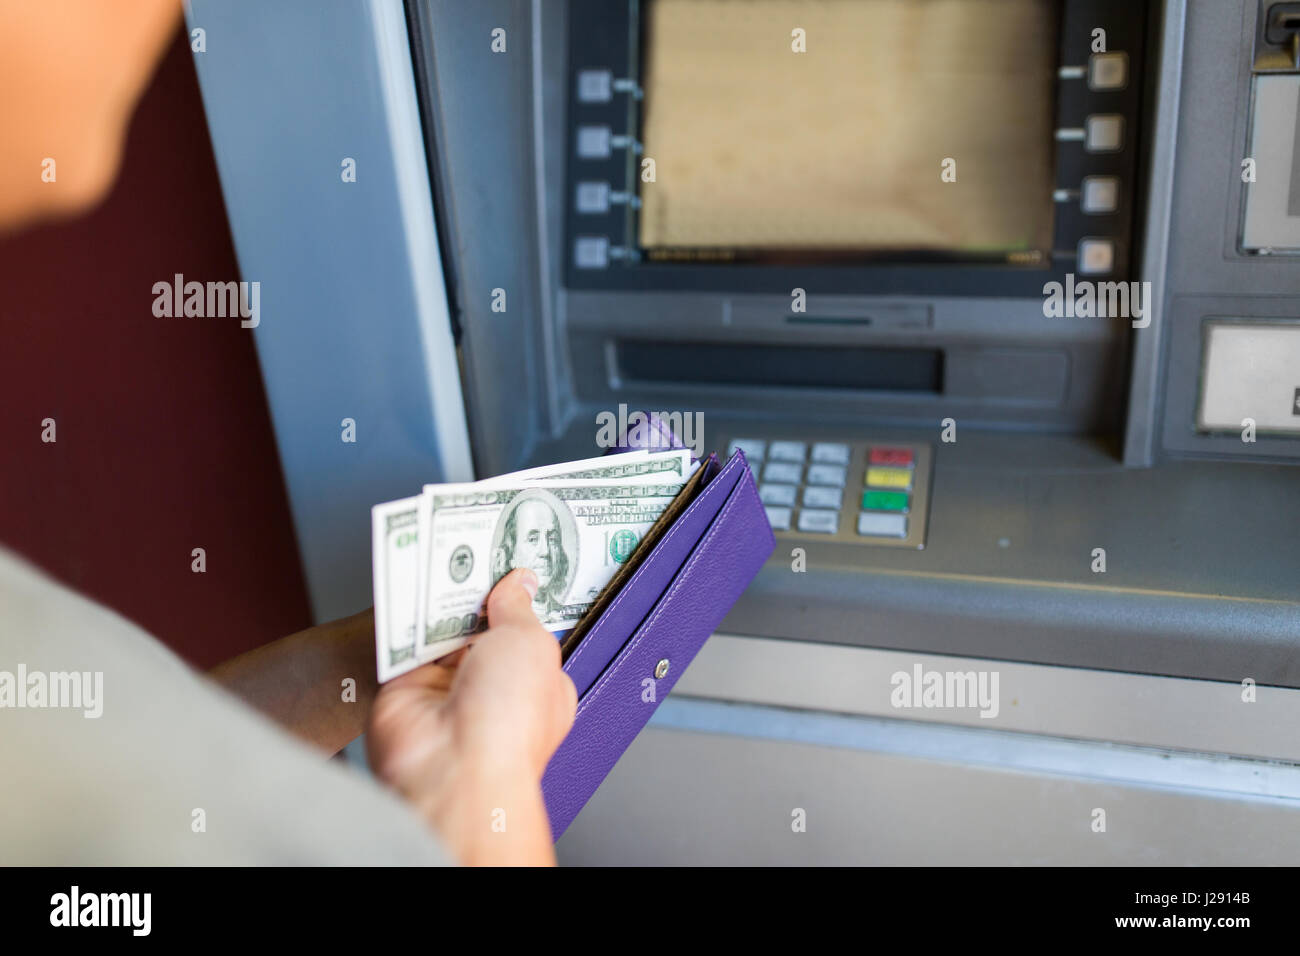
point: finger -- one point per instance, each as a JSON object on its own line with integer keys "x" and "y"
{"x": 511, "y": 602}
{"x": 454, "y": 658}
{"x": 566, "y": 703}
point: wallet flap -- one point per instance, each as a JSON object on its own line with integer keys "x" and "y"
{"x": 716, "y": 570}
{"x": 648, "y": 582}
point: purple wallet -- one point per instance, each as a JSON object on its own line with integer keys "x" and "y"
{"x": 638, "y": 639}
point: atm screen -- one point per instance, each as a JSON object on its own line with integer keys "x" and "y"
{"x": 784, "y": 130}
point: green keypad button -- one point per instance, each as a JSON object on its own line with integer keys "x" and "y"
{"x": 884, "y": 501}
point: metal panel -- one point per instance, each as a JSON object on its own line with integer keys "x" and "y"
{"x": 1144, "y": 399}
{"x": 703, "y": 797}
{"x": 1208, "y": 274}
{"x": 355, "y": 322}
{"x": 759, "y": 733}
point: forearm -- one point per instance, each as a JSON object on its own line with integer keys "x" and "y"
{"x": 298, "y": 681}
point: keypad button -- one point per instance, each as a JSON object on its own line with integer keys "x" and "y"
{"x": 898, "y": 457}
{"x": 885, "y": 501}
{"x": 819, "y": 522}
{"x": 782, "y": 472}
{"x": 595, "y": 86}
{"x": 879, "y": 525}
{"x": 820, "y": 496}
{"x": 1105, "y": 133}
{"x": 787, "y": 451}
{"x": 778, "y": 517}
{"x": 591, "y": 252}
{"x": 827, "y": 475}
{"x": 777, "y": 494}
{"x": 1108, "y": 71}
{"x": 1096, "y": 256}
{"x": 1099, "y": 194}
{"x": 593, "y": 197}
{"x": 593, "y": 142}
{"x": 879, "y": 476}
{"x": 830, "y": 453}
{"x": 752, "y": 447}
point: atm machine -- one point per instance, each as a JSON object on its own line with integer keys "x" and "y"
{"x": 1000, "y": 296}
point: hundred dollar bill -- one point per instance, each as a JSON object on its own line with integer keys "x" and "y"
{"x": 640, "y": 465}
{"x": 395, "y": 556}
{"x": 400, "y": 561}
{"x": 573, "y": 533}
{"x": 673, "y": 465}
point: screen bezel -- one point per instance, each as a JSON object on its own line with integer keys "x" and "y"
{"x": 607, "y": 35}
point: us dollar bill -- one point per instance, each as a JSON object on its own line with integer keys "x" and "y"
{"x": 573, "y": 533}
{"x": 672, "y": 465}
{"x": 401, "y": 561}
{"x": 668, "y": 466}
{"x": 396, "y": 564}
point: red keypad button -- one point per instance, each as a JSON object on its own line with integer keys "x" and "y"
{"x": 898, "y": 457}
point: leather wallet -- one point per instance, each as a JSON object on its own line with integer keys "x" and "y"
{"x": 637, "y": 639}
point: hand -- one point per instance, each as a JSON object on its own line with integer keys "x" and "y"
{"x": 467, "y": 740}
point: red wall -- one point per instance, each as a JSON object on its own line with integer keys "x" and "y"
{"x": 164, "y": 441}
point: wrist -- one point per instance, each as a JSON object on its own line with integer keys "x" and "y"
{"x": 486, "y": 813}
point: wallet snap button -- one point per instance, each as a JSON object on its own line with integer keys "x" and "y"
{"x": 661, "y": 669}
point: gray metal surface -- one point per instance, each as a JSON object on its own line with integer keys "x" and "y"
{"x": 1200, "y": 576}
{"x": 1144, "y": 384}
{"x": 481, "y": 125}
{"x": 1208, "y": 276}
{"x": 1168, "y": 713}
{"x": 354, "y": 314}
{"x": 691, "y": 797}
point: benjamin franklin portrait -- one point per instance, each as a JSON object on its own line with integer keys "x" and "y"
{"x": 538, "y": 532}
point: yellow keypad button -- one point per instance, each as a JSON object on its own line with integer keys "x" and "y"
{"x": 880, "y": 477}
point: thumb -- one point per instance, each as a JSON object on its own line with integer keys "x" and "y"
{"x": 511, "y": 602}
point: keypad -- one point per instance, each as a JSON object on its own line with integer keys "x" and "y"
{"x": 872, "y": 493}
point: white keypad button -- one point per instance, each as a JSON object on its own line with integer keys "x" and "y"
{"x": 1105, "y": 133}
{"x": 1096, "y": 256}
{"x": 1100, "y": 194}
{"x": 771, "y": 494}
{"x": 595, "y": 86}
{"x": 820, "y": 496}
{"x": 785, "y": 473}
{"x": 752, "y": 447}
{"x": 591, "y": 252}
{"x": 779, "y": 518}
{"x": 593, "y": 142}
{"x": 880, "y": 525}
{"x": 827, "y": 475}
{"x": 593, "y": 197}
{"x": 819, "y": 522}
{"x": 787, "y": 451}
{"x": 831, "y": 453}
{"x": 1108, "y": 71}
